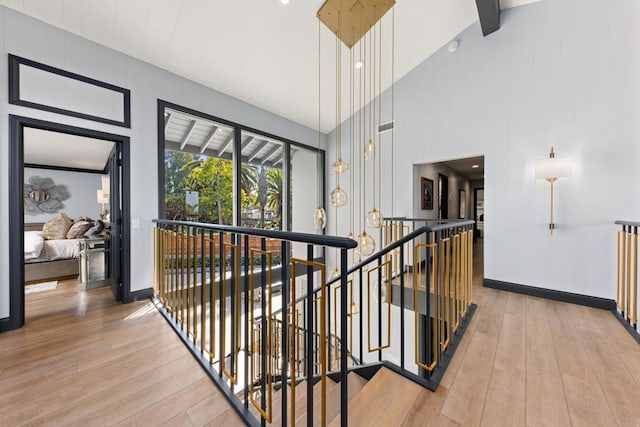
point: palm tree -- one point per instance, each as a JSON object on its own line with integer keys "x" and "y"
{"x": 274, "y": 192}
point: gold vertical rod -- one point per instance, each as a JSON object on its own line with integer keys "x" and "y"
{"x": 634, "y": 319}
{"x": 181, "y": 278}
{"x": 212, "y": 303}
{"x": 294, "y": 344}
{"x": 188, "y": 249}
{"x": 454, "y": 273}
{"x": 628, "y": 274}
{"x": 194, "y": 296}
{"x": 416, "y": 261}
{"x": 203, "y": 302}
{"x": 173, "y": 273}
{"x": 470, "y": 271}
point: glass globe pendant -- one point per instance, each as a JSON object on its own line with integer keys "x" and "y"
{"x": 374, "y": 218}
{"x": 366, "y": 244}
{"x": 338, "y": 197}
{"x": 340, "y": 166}
{"x": 335, "y": 273}
{"x": 370, "y": 150}
{"x": 319, "y": 218}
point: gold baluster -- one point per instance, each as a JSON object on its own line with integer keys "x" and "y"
{"x": 634, "y": 318}
{"x": 628, "y": 273}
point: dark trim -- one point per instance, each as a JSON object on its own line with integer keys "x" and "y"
{"x": 628, "y": 326}
{"x": 140, "y": 295}
{"x": 5, "y": 324}
{"x": 64, "y": 168}
{"x": 587, "y": 300}
{"x": 226, "y": 391}
{"x": 14, "y": 91}
{"x": 489, "y": 14}
{"x": 16, "y": 206}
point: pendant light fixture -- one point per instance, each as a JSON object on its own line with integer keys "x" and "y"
{"x": 319, "y": 215}
{"x": 358, "y": 26}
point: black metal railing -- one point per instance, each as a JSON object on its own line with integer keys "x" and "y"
{"x": 218, "y": 287}
{"x": 262, "y": 319}
{"x": 627, "y": 273}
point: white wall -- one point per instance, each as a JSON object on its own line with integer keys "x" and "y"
{"x": 81, "y": 187}
{"x": 562, "y": 73}
{"x": 27, "y": 37}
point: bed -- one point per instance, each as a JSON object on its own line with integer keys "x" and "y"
{"x": 49, "y": 260}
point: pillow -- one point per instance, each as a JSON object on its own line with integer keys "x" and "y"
{"x": 96, "y": 227}
{"x": 57, "y": 228}
{"x": 78, "y": 229}
{"x": 33, "y": 243}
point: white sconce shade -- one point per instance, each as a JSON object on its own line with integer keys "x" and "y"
{"x": 554, "y": 167}
{"x": 102, "y": 198}
{"x": 551, "y": 169}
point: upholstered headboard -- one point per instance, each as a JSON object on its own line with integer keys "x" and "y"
{"x": 33, "y": 226}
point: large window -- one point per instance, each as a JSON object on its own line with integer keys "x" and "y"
{"x": 272, "y": 184}
{"x": 198, "y": 184}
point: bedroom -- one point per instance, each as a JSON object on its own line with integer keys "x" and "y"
{"x": 67, "y": 230}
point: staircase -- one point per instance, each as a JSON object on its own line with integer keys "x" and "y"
{"x": 312, "y": 327}
{"x": 384, "y": 400}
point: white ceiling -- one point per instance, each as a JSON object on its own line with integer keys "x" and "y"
{"x": 48, "y": 148}
{"x": 260, "y": 51}
{"x": 466, "y": 167}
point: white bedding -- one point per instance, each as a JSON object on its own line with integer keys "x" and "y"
{"x": 33, "y": 244}
{"x": 57, "y": 249}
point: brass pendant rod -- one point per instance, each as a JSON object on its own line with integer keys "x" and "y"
{"x": 372, "y": 79}
{"x": 319, "y": 165}
{"x": 379, "y": 114}
{"x": 393, "y": 74}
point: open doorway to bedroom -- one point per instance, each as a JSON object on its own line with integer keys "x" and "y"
{"x": 69, "y": 210}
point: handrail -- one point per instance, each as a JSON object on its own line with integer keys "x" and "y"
{"x": 386, "y": 250}
{"x": 314, "y": 239}
{"x": 398, "y": 243}
{"x": 628, "y": 223}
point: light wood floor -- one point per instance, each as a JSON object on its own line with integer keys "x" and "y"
{"x": 83, "y": 359}
{"x": 523, "y": 361}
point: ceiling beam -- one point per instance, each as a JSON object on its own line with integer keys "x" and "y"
{"x": 489, "y": 13}
{"x": 253, "y": 155}
{"x": 208, "y": 139}
{"x": 227, "y": 143}
{"x": 270, "y": 153}
{"x": 187, "y": 135}
{"x": 166, "y": 121}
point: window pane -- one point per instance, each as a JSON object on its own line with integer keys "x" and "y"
{"x": 198, "y": 169}
{"x": 261, "y": 183}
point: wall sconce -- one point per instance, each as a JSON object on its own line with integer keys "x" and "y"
{"x": 550, "y": 170}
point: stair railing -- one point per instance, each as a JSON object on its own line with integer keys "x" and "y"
{"x": 220, "y": 287}
{"x": 627, "y": 275}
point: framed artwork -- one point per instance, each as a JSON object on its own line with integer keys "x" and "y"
{"x": 426, "y": 193}
{"x": 463, "y": 204}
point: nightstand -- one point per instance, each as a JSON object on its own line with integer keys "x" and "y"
{"x": 94, "y": 262}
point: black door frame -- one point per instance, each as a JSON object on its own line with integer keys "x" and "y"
{"x": 443, "y": 190}
{"x": 475, "y": 212}
{"x": 16, "y": 207}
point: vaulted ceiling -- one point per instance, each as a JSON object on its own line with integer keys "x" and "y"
{"x": 260, "y": 51}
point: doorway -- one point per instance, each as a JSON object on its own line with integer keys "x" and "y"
{"x": 443, "y": 201}
{"x": 52, "y": 148}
